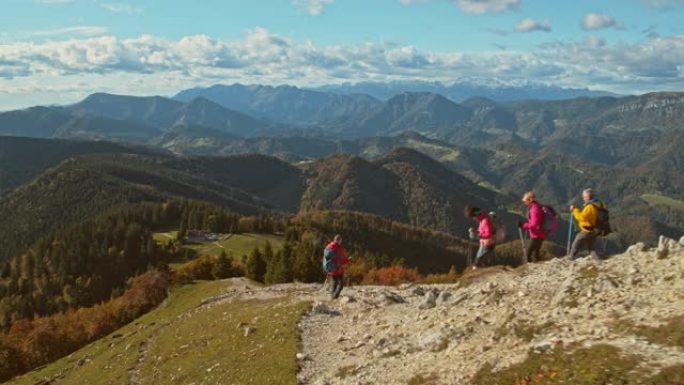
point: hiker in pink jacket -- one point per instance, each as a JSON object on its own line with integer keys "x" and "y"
{"x": 486, "y": 232}
{"x": 534, "y": 226}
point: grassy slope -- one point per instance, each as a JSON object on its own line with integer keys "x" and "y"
{"x": 109, "y": 363}
{"x": 211, "y": 346}
{"x": 181, "y": 349}
{"x": 237, "y": 245}
{"x": 655, "y": 199}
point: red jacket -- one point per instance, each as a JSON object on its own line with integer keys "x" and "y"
{"x": 340, "y": 253}
{"x": 535, "y": 221}
{"x": 486, "y": 230}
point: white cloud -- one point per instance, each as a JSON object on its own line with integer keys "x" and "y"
{"x": 148, "y": 64}
{"x": 486, "y": 6}
{"x": 530, "y": 25}
{"x": 83, "y": 30}
{"x": 53, "y": 1}
{"x": 313, "y": 7}
{"x": 663, "y": 4}
{"x": 592, "y": 21}
{"x": 476, "y": 6}
{"x": 122, "y": 8}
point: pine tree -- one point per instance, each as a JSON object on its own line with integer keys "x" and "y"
{"x": 182, "y": 231}
{"x": 222, "y": 267}
{"x": 279, "y": 270}
{"x": 268, "y": 252}
{"x": 306, "y": 267}
{"x": 255, "y": 268}
{"x": 6, "y": 270}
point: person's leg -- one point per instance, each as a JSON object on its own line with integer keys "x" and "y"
{"x": 591, "y": 245}
{"x": 490, "y": 254}
{"x": 480, "y": 252}
{"x": 333, "y": 285}
{"x": 483, "y": 252}
{"x": 340, "y": 285}
{"x": 534, "y": 250}
{"x": 529, "y": 250}
{"x": 578, "y": 244}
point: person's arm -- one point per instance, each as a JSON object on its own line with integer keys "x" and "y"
{"x": 586, "y": 215}
{"x": 345, "y": 259}
{"x": 536, "y": 218}
{"x": 579, "y": 215}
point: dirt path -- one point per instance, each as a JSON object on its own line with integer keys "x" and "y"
{"x": 378, "y": 335}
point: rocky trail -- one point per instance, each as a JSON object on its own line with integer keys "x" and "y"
{"x": 493, "y": 319}
{"x": 389, "y": 335}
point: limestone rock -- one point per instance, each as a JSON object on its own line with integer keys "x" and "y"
{"x": 443, "y": 298}
{"x": 429, "y": 300}
{"x": 637, "y": 248}
{"x": 389, "y": 298}
{"x": 321, "y": 308}
{"x": 418, "y": 291}
{"x": 433, "y": 341}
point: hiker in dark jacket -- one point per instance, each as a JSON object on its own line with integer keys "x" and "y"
{"x": 486, "y": 232}
{"x": 534, "y": 225}
{"x": 340, "y": 258}
{"x": 587, "y": 219}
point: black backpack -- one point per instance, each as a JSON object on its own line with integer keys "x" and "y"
{"x": 602, "y": 227}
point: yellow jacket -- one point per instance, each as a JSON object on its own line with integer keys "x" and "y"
{"x": 587, "y": 216}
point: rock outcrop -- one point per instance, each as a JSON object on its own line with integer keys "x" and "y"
{"x": 450, "y": 332}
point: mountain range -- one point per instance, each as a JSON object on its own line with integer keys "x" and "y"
{"x": 221, "y": 113}
{"x": 403, "y": 185}
{"x": 416, "y": 157}
{"x": 464, "y": 89}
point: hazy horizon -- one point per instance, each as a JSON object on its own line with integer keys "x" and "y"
{"x": 59, "y": 51}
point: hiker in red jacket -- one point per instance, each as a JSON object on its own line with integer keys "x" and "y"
{"x": 340, "y": 258}
{"x": 534, "y": 225}
{"x": 486, "y": 232}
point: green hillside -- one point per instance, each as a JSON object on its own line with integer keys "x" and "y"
{"x": 656, "y": 199}
{"x": 183, "y": 341}
{"x": 235, "y": 245}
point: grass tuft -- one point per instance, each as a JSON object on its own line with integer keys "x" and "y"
{"x": 596, "y": 365}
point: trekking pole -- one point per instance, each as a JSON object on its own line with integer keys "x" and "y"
{"x": 522, "y": 241}
{"x": 324, "y": 282}
{"x": 567, "y": 246}
{"x": 470, "y": 249}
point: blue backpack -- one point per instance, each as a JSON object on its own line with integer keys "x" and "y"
{"x": 330, "y": 260}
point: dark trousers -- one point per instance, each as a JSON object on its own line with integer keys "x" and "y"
{"x": 534, "y": 249}
{"x": 337, "y": 285}
{"x": 482, "y": 252}
{"x": 584, "y": 241}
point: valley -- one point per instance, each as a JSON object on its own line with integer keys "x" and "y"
{"x": 223, "y": 197}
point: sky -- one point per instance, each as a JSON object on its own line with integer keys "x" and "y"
{"x": 59, "y": 51}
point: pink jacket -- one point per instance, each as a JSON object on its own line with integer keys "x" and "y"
{"x": 535, "y": 221}
{"x": 486, "y": 230}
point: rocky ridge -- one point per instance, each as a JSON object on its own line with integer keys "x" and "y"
{"x": 494, "y": 318}
{"x": 385, "y": 335}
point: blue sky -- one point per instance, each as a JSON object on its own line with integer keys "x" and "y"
{"x": 57, "y": 51}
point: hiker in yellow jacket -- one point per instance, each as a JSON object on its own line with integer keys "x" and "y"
{"x": 587, "y": 219}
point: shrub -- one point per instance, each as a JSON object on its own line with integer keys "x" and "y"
{"x": 392, "y": 275}
{"x": 31, "y": 343}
